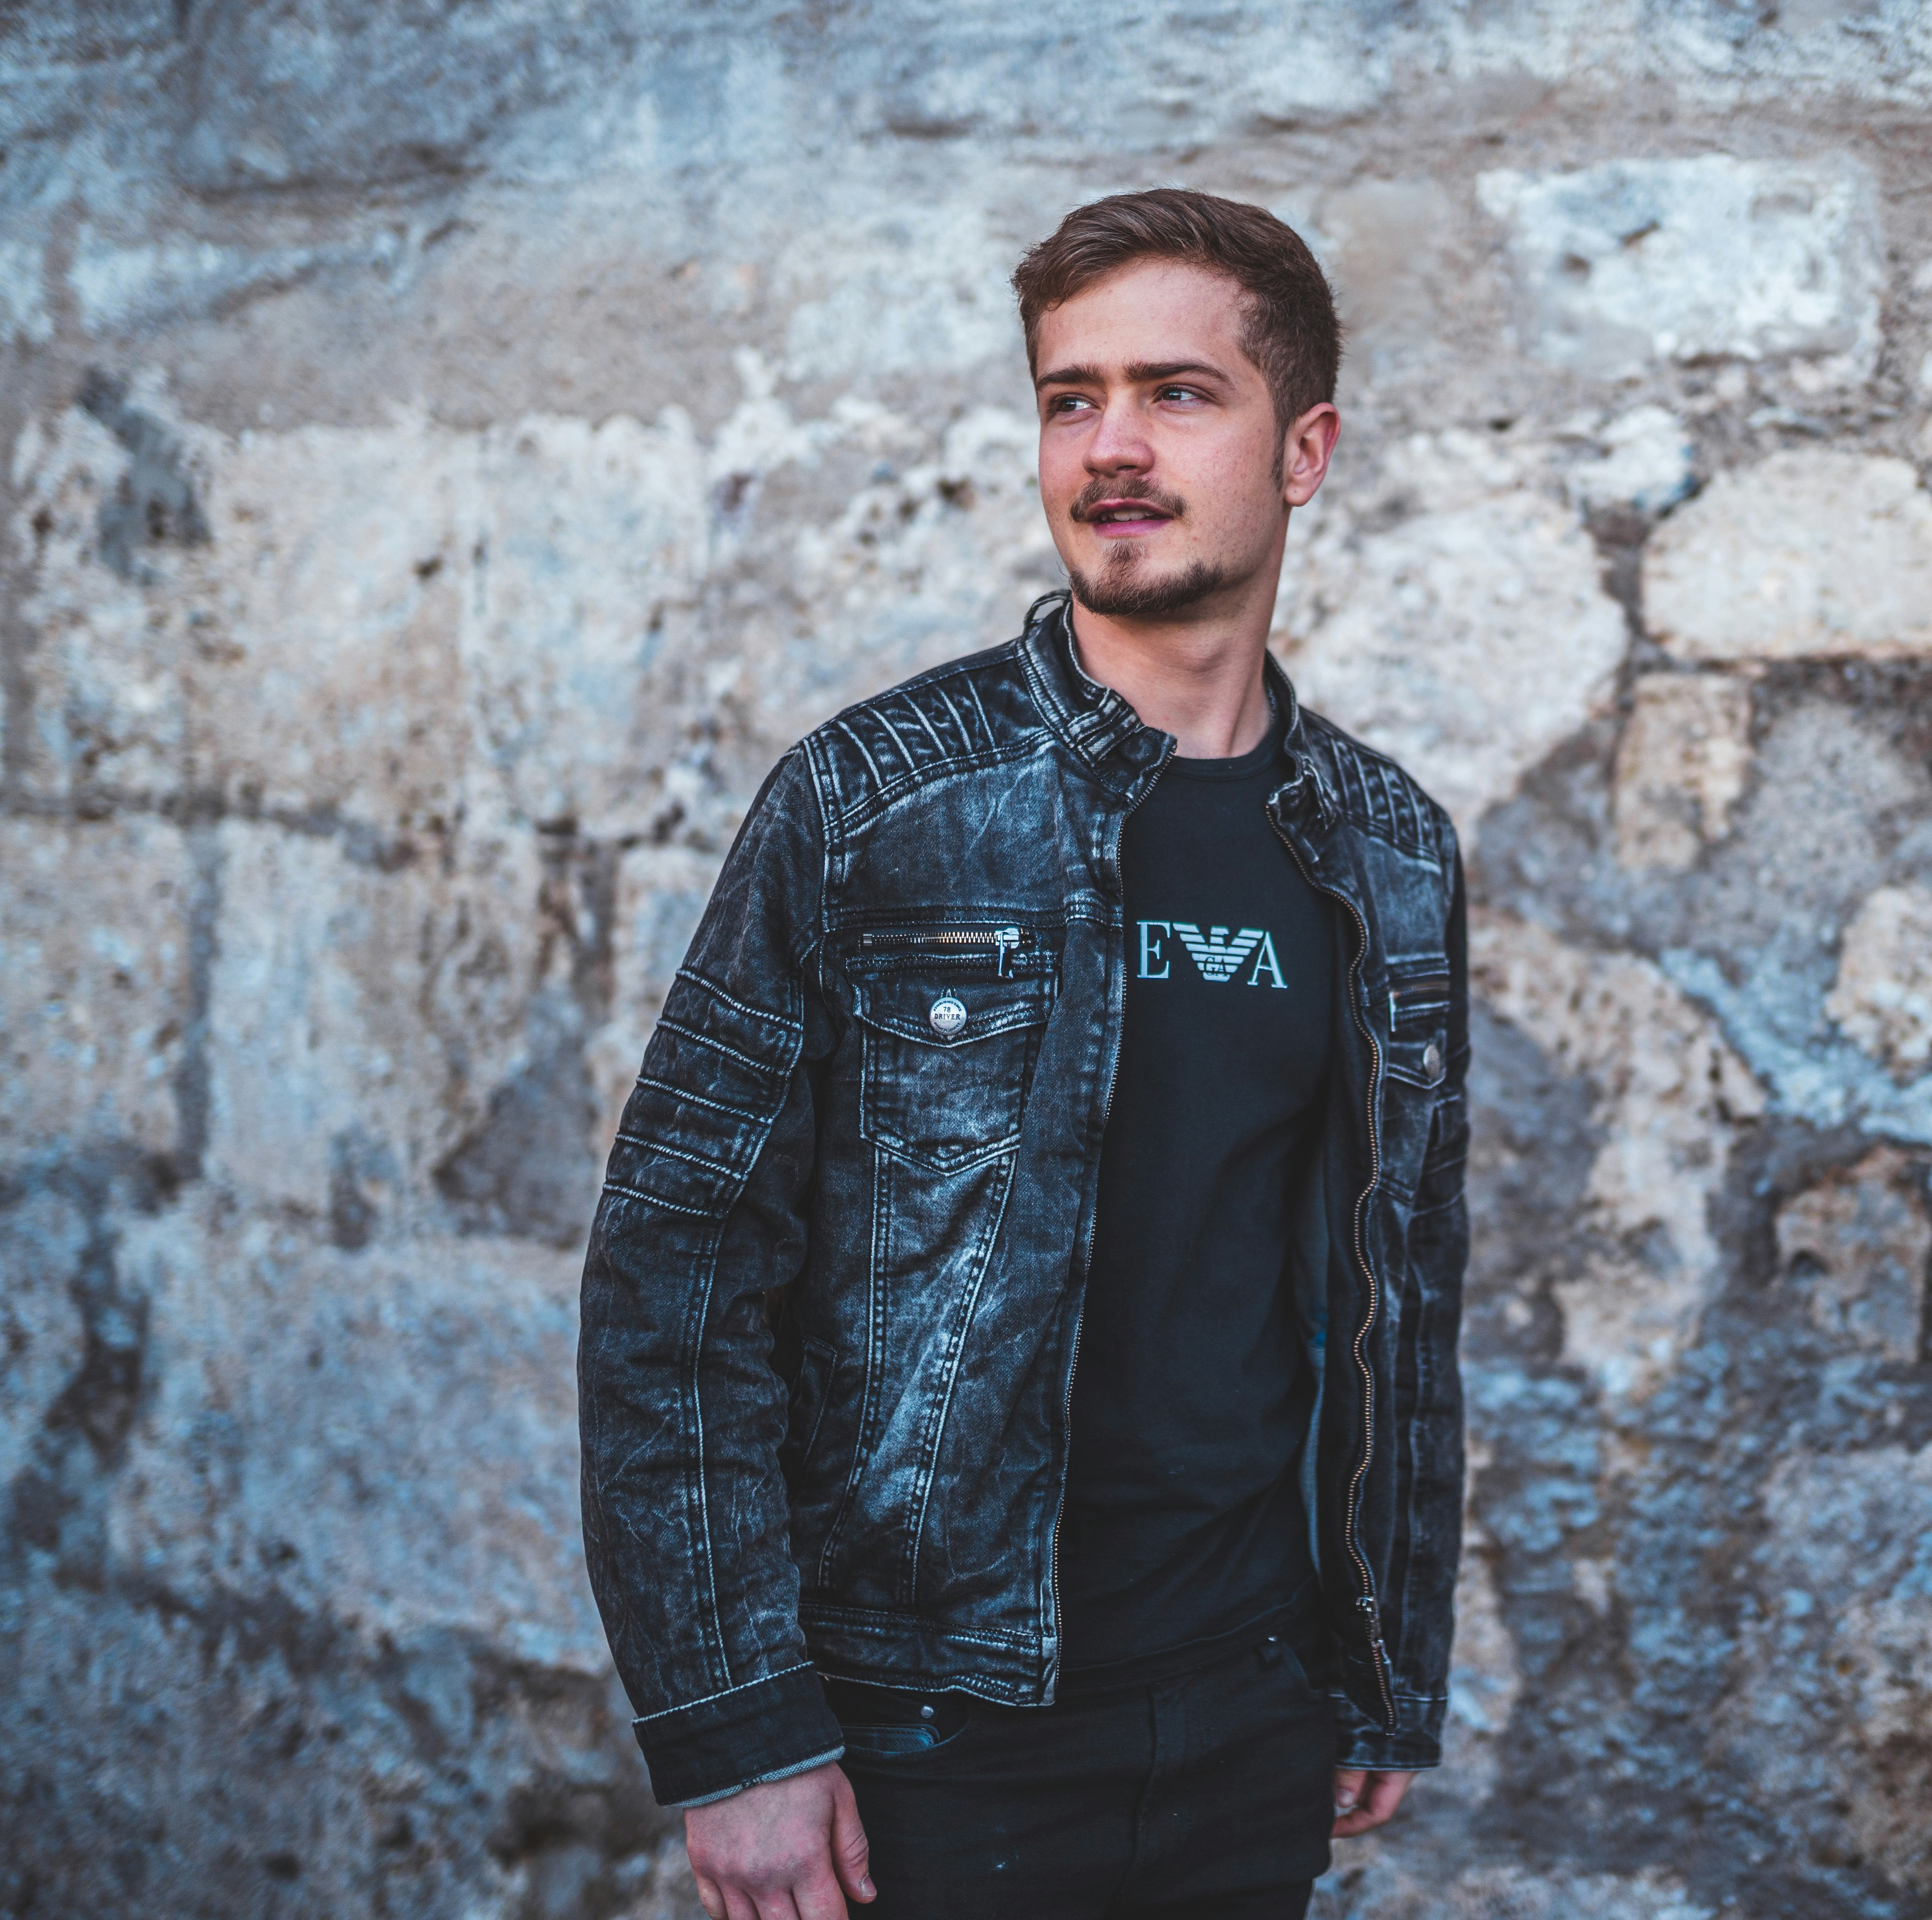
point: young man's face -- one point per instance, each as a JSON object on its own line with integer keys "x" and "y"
{"x": 1161, "y": 464}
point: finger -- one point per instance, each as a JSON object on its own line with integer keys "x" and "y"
{"x": 819, "y": 1898}
{"x": 738, "y": 1905}
{"x": 1347, "y": 1789}
{"x": 710, "y": 1896}
{"x": 851, "y": 1854}
{"x": 1382, "y": 1796}
{"x": 778, "y": 1905}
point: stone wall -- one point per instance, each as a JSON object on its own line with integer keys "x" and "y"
{"x": 451, "y": 451}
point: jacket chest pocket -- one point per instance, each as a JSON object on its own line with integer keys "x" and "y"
{"x": 950, "y": 1047}
{"x": 1418, "y": 1020}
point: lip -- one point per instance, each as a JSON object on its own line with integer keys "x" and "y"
{"x": 1146, "y": 520}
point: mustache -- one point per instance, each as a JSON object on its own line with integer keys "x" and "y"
{"x": 1096, "y": 491}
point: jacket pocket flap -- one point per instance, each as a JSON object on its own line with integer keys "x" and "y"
{"x": 939, "y": 1008}
{"x": 1418, "y": 1018}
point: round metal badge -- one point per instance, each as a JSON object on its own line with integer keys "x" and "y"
{"x": 947, "y": 1015}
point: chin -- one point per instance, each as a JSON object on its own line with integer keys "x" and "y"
{"x": 1129, "y": 592}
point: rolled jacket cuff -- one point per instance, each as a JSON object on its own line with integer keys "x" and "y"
{"x": 760, "y": 1730}
{"x": 1414, "y": 1742}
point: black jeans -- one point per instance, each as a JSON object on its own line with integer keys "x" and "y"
{"x": 1209, "y": 1796}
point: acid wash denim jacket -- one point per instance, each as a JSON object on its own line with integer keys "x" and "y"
{"x": 831, "y": 1308}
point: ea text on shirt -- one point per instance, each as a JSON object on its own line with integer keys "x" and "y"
{"x": 1217, "y": 955}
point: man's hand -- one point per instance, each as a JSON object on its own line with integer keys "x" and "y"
{"x": 780, "y": 1851}
{"x": 1365, "y": 1800}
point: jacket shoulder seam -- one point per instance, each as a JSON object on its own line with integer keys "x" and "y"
{"x": 871, "y": 754}
{"x": 1382, "y": 797}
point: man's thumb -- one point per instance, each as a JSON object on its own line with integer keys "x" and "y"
{"x": 851, "y": 1853}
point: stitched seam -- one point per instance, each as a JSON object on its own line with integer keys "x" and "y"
{"x": 1048, "y": 704}
{"x": 973, "y": 688}
{"x": 864, "y": 754}
{"x": 696, "y": 1375}
{"x": 686, "y": 1706}
{"x": 826, "y": 790}
{"x": 1428, "y": 839}
{"x": 965, "y": 736}
{"x": 1005, "y": 1692}
{"x": 869, "y": 1373}
{"x": 919, "y": 714}
{"x": 799, "y": 1766}
{"x": 889, "y": 792}
{"x": 879, "y": 714}
{"x": 929, "y": 1445}
{"x": 827, "y": 832}
{"x": 711, "y": 988}
{"x": 697, "y": 1358}
{"x": 678, "y": 1153}
{"x": 784, "y": 1773}
{"x": 879, "y": 1622}
{"x": 654, "y": 1200}
{"x": 974, "y": 1157}
{"x": 691, "y": 1034}
{"x": 1016, "y": 1018}
{"x": 697, "y": 1099}
{"x": 824, "y": 1398}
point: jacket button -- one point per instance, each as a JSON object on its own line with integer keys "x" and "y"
{"x": 926, "y": 1713}
{"x": 947, "y": 1015}
{"x": 1432, "y": 1055}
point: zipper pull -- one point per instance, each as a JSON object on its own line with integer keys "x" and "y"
{"x": 1007, "y": 940}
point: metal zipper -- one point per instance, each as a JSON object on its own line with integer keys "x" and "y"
{"x": 1007, "y": 943}
{"x": 1366, "y": 1604}
{"x": 1431, "y": 990}
{"x": 1094, "y": 1220}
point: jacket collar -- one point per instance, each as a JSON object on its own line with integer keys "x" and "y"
{"x": 1094, "y": 722}
{"x": 1104, "y": 732}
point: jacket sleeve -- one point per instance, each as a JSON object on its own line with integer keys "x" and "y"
{"x": 681, "y": 1411}
{"x": 1428, "y": 1410}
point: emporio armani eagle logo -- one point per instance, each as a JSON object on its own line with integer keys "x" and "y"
{"x": 1218, "y": 955}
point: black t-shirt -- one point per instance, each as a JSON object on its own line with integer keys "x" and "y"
{"x": 1184, "y": 1525}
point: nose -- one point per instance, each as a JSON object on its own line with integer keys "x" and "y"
{"x": 1118, "y": 444}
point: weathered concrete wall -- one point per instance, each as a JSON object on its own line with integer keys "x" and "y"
{"x": 451, "y": 450}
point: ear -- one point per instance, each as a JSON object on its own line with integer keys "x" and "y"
{"x": 1307, "y": 448}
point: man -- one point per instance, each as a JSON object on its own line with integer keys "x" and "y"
{"x": 1019, "y": 1328}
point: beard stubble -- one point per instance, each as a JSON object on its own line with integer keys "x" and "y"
{"x": 1124, "y": 589}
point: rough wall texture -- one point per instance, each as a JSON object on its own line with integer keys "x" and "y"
{"x": 451, "y": 450}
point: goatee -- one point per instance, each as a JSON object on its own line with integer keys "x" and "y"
{"x": 1118, "y": 594}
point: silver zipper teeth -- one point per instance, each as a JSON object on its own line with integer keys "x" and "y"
{"x": 1425, "y": 997}
{"x": 1367, "y": 1603}
{"x": 941, "y": 936}
{"x": 1431, "y": 992}
{"x": 1005, "y": 942}
{"x": 1093, "y": 1223}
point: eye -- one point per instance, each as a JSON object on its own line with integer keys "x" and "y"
{"x": 1066, "y": 403}
{"x": 1171, "y": 391}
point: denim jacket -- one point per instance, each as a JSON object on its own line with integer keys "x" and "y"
{"x": 831, "y": 1303}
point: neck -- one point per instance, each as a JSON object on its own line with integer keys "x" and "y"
{"x": 1196, "y": 673}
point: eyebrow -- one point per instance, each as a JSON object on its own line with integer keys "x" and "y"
{"x": 1137, "y": 371}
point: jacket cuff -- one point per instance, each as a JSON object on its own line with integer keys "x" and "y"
{"x": 1363, "y": 1740}
{"x": 759, "y": 1730}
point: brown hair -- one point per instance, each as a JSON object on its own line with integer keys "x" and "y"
{"x": 1291, "y": 333}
